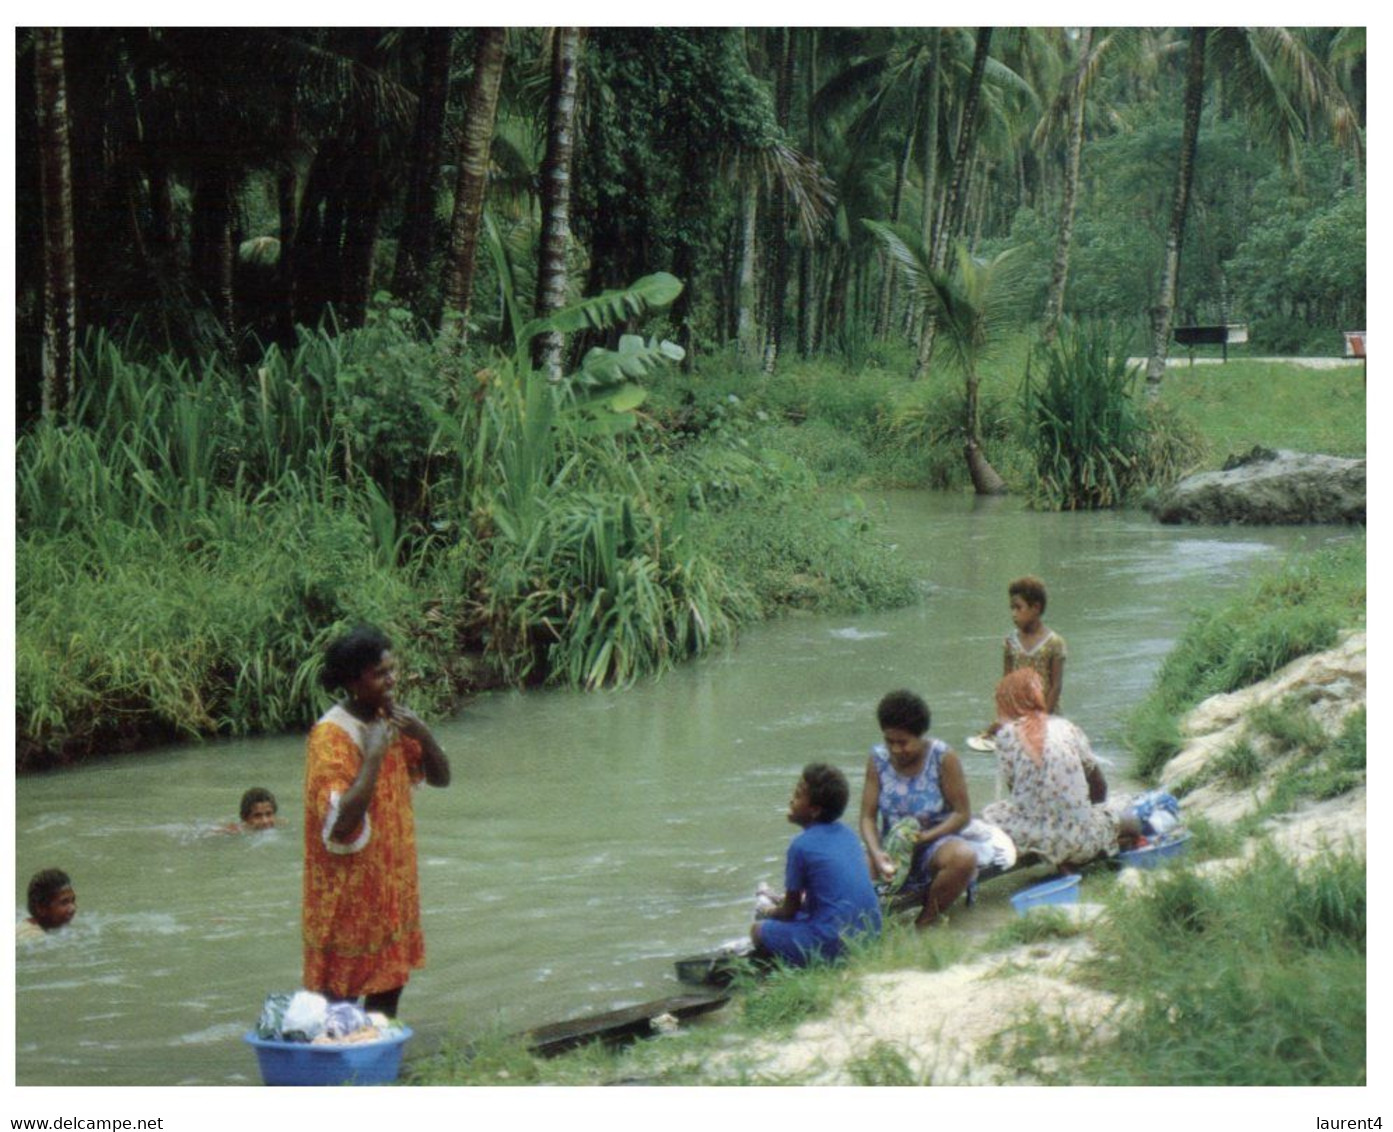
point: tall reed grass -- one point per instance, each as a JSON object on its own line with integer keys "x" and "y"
{"x": 189, "y": 535}
{"x": 1094, "y": 442}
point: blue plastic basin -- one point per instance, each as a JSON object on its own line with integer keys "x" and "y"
{"x": 1059, "y": 890}
{"x": 1160, "y": 851}
{"x": 357, "y": 1063}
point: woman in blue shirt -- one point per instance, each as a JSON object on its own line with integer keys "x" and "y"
{"x": 828, "y": 895}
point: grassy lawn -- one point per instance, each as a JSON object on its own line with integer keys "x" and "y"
{"x": 1242, "y": 404}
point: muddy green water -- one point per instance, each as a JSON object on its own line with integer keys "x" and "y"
{"x": 588, "y": 840}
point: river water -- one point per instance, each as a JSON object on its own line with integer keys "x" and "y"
{"x": 587, "y": 840}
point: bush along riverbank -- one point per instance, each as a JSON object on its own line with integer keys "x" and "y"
{"x": 1241, "y": 963}
{"x": 188, "y": 539}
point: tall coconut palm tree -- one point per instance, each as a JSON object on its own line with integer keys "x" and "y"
{"x": 969, "y": 303}
{"x": 954, "y": 204}
{"x": 1280, "y": 85}
{"x": 956, "y": 200}
{"x": 1163, "y": 311}
{"x": 1069, "y": 106}
{"x": 481, "y": 113}
{"x": 778, "y": 221}
{"x": 768, "y": 168}
{"x": 56, "y": 189}
{"x": 556, "y": 194}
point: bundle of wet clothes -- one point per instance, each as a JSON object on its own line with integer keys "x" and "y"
{"x": 308, "y": 1017}
{"x": 1157, "y": 811}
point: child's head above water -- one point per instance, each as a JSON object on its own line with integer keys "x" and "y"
{"x": 52, "y": 901}
{"x": 903, "y": 711}
{"x": 259, "y": 808}
{"x": 820, "y": 796}
{"x": 1030, "y": 590}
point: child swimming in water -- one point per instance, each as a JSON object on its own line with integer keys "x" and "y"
{"x": 52, "y": 905}
{"x": 257, "y": 812}
{"x": 258, "y": 809}
{"x": 828, "y": 893}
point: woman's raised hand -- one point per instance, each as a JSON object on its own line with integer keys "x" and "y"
{"x": 408, "y": 722}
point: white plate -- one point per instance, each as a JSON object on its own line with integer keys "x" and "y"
{"x": 980, "y": 743}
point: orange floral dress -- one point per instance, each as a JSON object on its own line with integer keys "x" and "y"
{"x": 362, "y": 907}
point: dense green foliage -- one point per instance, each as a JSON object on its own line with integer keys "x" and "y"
{"x": 741, "y": 160}
{"x": 190, "y": 539}
{"x": 1301, "y": 609}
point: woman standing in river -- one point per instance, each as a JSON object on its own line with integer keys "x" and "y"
{"x": 362, "y": 915}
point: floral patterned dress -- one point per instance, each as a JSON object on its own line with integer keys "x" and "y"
{"x": 907, "y": 805}
{"x": 1049, "y": 811}
{"x": 1039, "y": 658}
{"x": 361, "y": 917}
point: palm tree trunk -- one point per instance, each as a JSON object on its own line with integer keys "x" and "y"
{"x": 475, "y": 142}
{"x": 954, "y": 205}
{"x": 285, "y": 261}
{"x": 1164, "y": 310}
{"x": 361, "y": 227}
{"x": 288, "y": 214}
{"x": 927, "y": 226}
{"x": 309, "y": 262}
{"x": 364, "y": 190}
{"x": 934, "y": 77}
{"x": 962, "y": 159}
{"x": 985, "y": 480}
{"x": 885, "y": 307}
{"x": 1059, "y": 273}
{"x": 556, "y": 196}
{"x": 413, "y": 252}
{"x": 212, "y": 242}
{"x": 778, "y": 267}
{"x": 60, "y": 271}
{"x": 807, "y": 261}
{"x": 746, "y": 330}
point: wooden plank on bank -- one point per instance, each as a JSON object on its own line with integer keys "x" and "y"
{"x": 619, "y": 1025}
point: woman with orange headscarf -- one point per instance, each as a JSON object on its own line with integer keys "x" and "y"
{"x": 1057, "y": 790}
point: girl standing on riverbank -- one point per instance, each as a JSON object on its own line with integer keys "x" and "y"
{"x": 361, "y": 915}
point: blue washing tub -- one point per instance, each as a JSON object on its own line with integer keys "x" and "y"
{"x": 358, "y": 1063}
{"x": 1159, "y": 852}
{"x": 1057, "y": 890}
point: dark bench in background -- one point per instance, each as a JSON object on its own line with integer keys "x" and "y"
{"x": 1192, "y": 336}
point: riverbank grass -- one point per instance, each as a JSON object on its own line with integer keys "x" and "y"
{"x": 1243, "y": 404}
{"x": 876, "y": 427}
{"x": 1175, "y": 955}
{"x": 1253, "y": 978}
{"x": 1301, "y": 609}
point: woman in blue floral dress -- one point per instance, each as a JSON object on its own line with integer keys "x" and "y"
{"x": 915, "y": 789}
